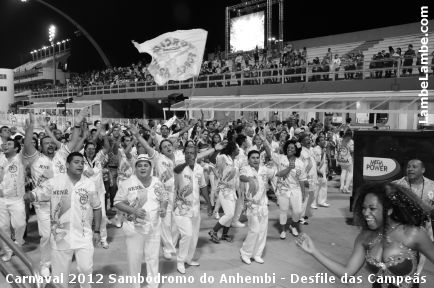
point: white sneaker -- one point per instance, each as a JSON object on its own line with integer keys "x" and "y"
{"x": 258, "y": 260}
{"x": 324, "y": 205}
{"x": 313, "y": 206}
{"x": 246, "y": 260}
{"x": 293, "y": 231}
{"x": 104, "y": 244}
{"x": 167, "y": 255}
{"x": 193, "y": 263}
{"x": 283, "y": 235}
{"x": 181, "y": 268}
{"x": 7, "y": 256}
{"x": 238, "y": 224}
{"x": 45, "y": 271}
{"x": 216, "y": 215}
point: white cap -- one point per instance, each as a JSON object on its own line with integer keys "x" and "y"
{"x": 143, "y": 157}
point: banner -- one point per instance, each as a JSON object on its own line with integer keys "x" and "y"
{"x": 175, "y": 55}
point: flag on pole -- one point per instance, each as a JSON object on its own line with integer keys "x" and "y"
{"x": 175, "y": 55}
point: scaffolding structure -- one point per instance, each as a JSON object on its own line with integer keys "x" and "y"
{"x": 251, "y": 7}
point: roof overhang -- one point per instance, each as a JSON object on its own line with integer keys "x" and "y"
{"x": 355, "y": 102}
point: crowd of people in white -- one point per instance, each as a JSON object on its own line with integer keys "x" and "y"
{"x": 152, "y": 175}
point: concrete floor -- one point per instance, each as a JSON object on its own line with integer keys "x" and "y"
{"x": 285, "y": 263}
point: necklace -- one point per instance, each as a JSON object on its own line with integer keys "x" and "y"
{"x": 423, "y": 186}
{"x": 388, "y": 232}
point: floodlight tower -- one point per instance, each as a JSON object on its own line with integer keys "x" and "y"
{"x": 81, "y": 29}
{"x": 51, "y": 37}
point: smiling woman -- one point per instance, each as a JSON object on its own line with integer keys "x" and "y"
{"x": 392, "y": 220}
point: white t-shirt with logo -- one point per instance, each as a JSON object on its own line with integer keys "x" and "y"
{"x": 43, "y": 167}
{"x": 71, "y": 211}
{"x": 163, "y": 169}
{"x": 257, "y": 205}
{"x": 12, "y": 172}
{"x": 149, "y": 198}
{"x": 187, "y": 185}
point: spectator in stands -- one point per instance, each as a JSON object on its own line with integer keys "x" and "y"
{"x": 408, "y": 60}
{"x": 379, "y": 65}
{"x": 419, "y": 62}
{"x": 388, "y": 62}
{"x": 336, "y": 65}
{"x": 329, "y": 54}
{"x": 432, "y": 61}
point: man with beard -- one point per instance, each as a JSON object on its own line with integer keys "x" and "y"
{"x": 44, "y": 166}
{"x": 74, "y": 203}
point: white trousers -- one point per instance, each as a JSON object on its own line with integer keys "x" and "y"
{"x": 12, "y": 212}
{"x": 307, "y": 209}
{"x": 228, "y": 206}
{"x": 213, "y": 193}
{"x": 44, "y": 228}
{"x": 61, "y": 265}
{"x": 254, "y": 243}
{"x": 346, "y": 177}
{"x": 188, "y": 228}
{"x": 239, "y": 207}
{"x": 169, "y": 231}
{"x": 104, "y": 220}
{"x": 294, "y": 203}
{"x": 139, "y": 244}
{"x": 322, "y": 191}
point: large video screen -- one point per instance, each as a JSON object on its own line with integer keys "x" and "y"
{"x": 247, "y": 32}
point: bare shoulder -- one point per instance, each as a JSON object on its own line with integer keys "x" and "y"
{"x": 414, "y": 235}
{"x": 365, "y": 237}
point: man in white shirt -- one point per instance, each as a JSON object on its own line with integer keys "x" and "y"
{"x": 256, "y": 177}
{"x": 309, "y": 162}
{"x": 240, "y": 161}
{"x": 45, "y": 165}
{"x": 144, "y": 200}
{"x": 417, "y": 182}
{"x": 74, "y": 203}
{"x": 12, "y": 211}
{"x": 189, "y": 180}
{"x": 321, "y": 160}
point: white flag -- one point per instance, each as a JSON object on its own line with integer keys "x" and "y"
{"x": 175, "y": 55}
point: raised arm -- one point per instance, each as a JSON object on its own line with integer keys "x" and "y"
{"x": 44, "y": 123}
{"x": 135, "y": 131}
{"x": 206, "y": 153}
{"x": 29, "y": 149}
{"x": 76, "y": 131}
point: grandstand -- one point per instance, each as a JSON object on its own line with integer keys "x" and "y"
{"x": 114, "y": 90}
{"x": 340, "y": 49}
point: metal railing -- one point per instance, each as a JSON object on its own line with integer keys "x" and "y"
{"x": 283, "y": 75}
{"x": 20, "y": 254}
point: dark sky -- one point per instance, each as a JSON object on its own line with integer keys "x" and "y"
{"x": 114, "y": 23}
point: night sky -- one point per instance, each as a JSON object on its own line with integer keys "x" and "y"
{"x": 114, "y": 23}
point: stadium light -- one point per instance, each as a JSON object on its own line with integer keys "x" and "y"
{"x": 81, "y": 29}
{"x": 51, "y": 33}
